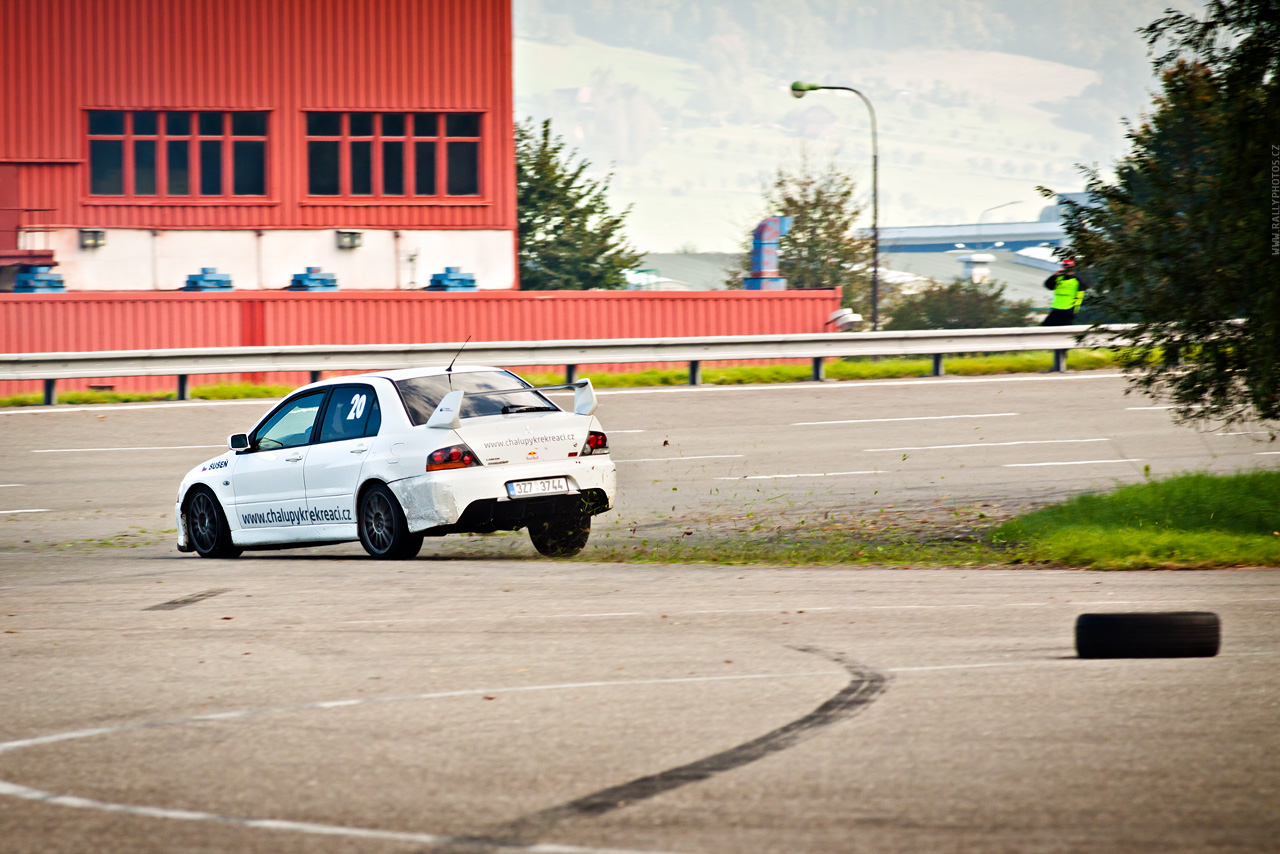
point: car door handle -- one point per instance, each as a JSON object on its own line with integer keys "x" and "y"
{"x": 293, "y": 458}
{"x": 360, "y": 449}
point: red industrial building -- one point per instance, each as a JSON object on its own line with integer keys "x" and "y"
{"x": 144, "y": 140}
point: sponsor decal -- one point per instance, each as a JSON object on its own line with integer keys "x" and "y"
{"x": 525, "y": 441}
{"x": 214, "y": 466}
{"x": 300, "y": 515}
{"x": 532, "y": 455}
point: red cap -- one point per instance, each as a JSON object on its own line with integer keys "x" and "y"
{"x": 1067, "y": 262}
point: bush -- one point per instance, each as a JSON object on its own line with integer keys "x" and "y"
{"x": 959, "y": 305}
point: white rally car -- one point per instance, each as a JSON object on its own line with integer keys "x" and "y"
{"x": 390, "y": 458}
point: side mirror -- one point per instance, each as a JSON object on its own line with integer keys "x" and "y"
{"x": 238, "y": 442}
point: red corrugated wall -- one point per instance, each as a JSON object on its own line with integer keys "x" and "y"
{"x": 63, "y": 57}
{"x": 77, "y": 322}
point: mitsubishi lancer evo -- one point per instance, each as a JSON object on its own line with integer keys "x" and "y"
{"x": 393, "y": 457}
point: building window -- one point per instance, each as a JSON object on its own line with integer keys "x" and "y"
{"x": 391, "y": 156}
{"x": 177, "y": 154}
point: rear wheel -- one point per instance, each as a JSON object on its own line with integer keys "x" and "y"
{"x": 560, "y": 537}
{"x": 207, "y": 527}
{"x": 384, "y": 531}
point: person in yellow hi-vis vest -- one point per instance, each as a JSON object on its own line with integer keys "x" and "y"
{"x": 1068, "y": 288}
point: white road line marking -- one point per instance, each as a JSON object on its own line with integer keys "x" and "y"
{"x": 1243, "y": 433}
{"x": 677, "y": 459}
{"x": 783, "y": 476}
{"x": 143, "y": 448}
{"x": 1267, "y": 453}
{"x": 11, "y": 484}
{"x": 626, "y": 431}
{"x": 1070, "y": 463}
{"x": 1146, "y": 408}
{"x": 987, "y": 444}
{"x": 915, "y": 418}
{"x": 172, "y": 404}
{"x": 845, "y": 384}
{"x": 37, "y": 510}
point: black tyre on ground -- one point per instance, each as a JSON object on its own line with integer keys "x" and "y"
{"x": 384, "y": 532}
{"x": 207, "y": 528}
{"x": 560, "y": 537}
{"x": 1176, "y": 634}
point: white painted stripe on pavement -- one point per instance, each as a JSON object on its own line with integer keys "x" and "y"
{"x": 142, "y": 448}
{"x": 11, "y": 484}
{"x": 783, "y": 476}
{"x": 36, "y": 510}
{"x": 1070, "y": 463}
{"x": 677, "y": 459}
{"x": 1147, "y": 408}
{"x": 988, "y": 444}
{"x": 625, "y": 431}
{"x": 846, "y": 384}
{"x": 172, "y": 404}
{"x": 1267, "y": 453}
{"x": 914, "y": 418}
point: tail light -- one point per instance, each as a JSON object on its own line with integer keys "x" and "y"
{"x": 452, "y": 457}
{"x": 597, "y": 443}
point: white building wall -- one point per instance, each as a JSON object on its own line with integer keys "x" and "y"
{"x": 143, "y": 259}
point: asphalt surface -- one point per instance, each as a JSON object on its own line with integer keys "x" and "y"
{"x": 479, "y": 699}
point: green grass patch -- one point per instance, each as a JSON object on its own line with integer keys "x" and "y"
{"x": 1193, "y": 520}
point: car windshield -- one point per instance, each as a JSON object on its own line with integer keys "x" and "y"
{"x": 421, "y": 395}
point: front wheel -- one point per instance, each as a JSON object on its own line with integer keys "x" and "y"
{"x": 384, "y": 531}
{"x": 563, "y": 537}
{"x": 207, "y": 527}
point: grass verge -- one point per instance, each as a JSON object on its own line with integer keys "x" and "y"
{"x": 1190, "y": 521}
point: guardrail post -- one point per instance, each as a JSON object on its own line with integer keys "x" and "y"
{"x": 315, "y": 376}
{"x": 695, "y": 373}
{"x": 819, "y": 369}
{"x": 570, "y": 374}
{"x": 1059, "y": 361}
{"x": 50, "y": 392}
{"x": 939, "y": 368}
{"x": 182, "y": 386}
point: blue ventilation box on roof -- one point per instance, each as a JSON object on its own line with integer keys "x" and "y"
{"x": 208, "y": 279}
{"x": 452, "y": 280}
{"x": 38, "y": 280}
{"x": 313, "y": 280}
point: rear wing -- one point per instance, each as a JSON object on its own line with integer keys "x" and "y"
{"x": 447, "y": 414}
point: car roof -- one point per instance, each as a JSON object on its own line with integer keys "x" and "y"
{"x": 402, "y": 374}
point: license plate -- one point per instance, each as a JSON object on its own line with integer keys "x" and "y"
{"x": 543, "y": 486}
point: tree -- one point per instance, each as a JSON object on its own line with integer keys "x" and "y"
{"x": 822, "y": 249}
{"x": 962, "y": 304}
{"x": 569, "y": 239}
{"x": 1184, "y": 244}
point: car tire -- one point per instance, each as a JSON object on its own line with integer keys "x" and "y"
{"x": 384, "y": 531}
{"x": 1177, "y": 634}
{"x": 560, "y": 537}
{"x": 207, "y": 528}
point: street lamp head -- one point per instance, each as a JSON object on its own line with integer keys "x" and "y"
{"x": 798, "y": 89}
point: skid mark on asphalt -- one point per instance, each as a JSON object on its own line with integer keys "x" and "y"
{"x": 174, "y": 604}
{"x": 864, "y": 686}
{"x": 840, "y": 706}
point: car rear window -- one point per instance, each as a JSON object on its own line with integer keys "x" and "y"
{"x": 421, "y": 395}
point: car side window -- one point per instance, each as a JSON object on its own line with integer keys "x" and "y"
{"x": 291, "y": 425}
{"x": 352, "y": 410}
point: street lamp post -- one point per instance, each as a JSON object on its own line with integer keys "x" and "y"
{"x": 798, "y": 90}
{"x": 987, "y": 211}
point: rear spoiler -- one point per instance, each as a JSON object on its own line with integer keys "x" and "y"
{"x": 446, "y": 415}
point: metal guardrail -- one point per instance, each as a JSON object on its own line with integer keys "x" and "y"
{"x": 51, "y": 367}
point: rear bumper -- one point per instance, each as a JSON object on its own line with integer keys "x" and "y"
{"x": 475, "y": 500}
